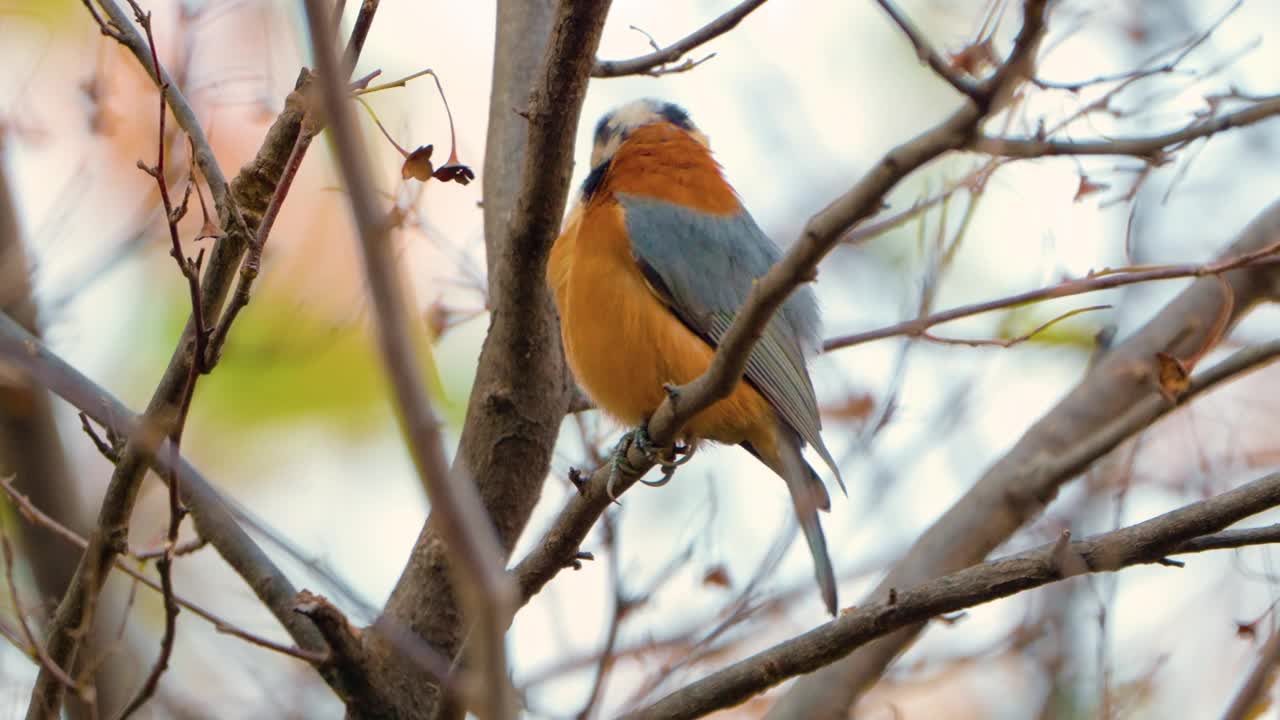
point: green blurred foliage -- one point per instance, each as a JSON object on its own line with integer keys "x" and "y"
{"x": 284, "y": 364}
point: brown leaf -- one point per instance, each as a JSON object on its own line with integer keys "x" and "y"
{"x": 974, "y": 58}
{"x": 1172, "y": 376}
{"x": 855, "y": 407}
{"x": 717, "y": 576}
{"x": 417, "y": 164}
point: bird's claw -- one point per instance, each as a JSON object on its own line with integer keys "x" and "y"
{"x": 639, "y": 437}
{"x": 680, "y": 455}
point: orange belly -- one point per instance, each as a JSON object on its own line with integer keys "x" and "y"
{"x": 623, "y": 344}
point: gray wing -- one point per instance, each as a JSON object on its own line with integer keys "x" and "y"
{"x": 705, "y": 265}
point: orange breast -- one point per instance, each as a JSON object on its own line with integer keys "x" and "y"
{"x": 623, "y": 344}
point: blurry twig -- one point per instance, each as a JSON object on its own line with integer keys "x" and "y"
{"x": 35, "y": 516}
{"x": 925, "y": 51}
{"x": 621, "y": 606}
{"x": 457, "y": 510}
{"x": 1153, "y": 148}
{"x": 1102, "y": 280}
{"x": 1250, "y": 698}
{"x": 33, "y": 646}
{"x": 212, "y": 517}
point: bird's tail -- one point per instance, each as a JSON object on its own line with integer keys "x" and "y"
{"x": 808, "y": 495}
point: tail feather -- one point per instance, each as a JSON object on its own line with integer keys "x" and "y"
{"x": 808, "y": 495}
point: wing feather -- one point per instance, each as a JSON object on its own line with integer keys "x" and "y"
{"x": 703, "y": 266}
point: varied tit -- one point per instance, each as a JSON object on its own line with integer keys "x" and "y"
{"x": 655, "y": 259}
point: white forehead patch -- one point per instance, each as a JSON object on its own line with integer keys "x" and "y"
{"x": 619, "y": 123}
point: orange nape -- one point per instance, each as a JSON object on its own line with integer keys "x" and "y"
{"x": 664, "y": 162}
{"x": 624, "y": 358}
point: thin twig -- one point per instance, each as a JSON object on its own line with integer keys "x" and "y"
{"x": 1103, "y": 280}
{"x": 1010, "y": 342}
{"x": 1154, "y": 148}
{"x": 34, "y": 647}
{"x": 37, "y": 517}
{"x": 651, "y": 64}
{"x": 224, "y": 258}
{"x": 190, "y": 270}
{"x": 930, "y": 56}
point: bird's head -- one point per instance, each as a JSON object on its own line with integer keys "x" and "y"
{"x": 617, "y": 124}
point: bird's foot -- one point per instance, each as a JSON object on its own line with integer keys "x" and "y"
{"x": 669, "y": 459}
{"x": 678, "y": 456}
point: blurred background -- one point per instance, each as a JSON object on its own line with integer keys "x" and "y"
{"x": 798, "y": 101}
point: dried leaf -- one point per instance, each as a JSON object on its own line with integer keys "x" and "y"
{"x": 1172, "y": 376}
{"x": 417, "y": 164}
{"x": 853, "y": 408}
{"x": 975, "y": 58}
{"x": 717, "y": 576}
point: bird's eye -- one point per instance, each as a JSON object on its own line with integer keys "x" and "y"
{"x": 602, "y": 129}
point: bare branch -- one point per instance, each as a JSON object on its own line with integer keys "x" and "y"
{"x": 213, "y": 519}
{"x": 1147, "y": 542}
{"x": 457, "y": 511}
{"x": 346, "y": 655}
{"x": 200, "y": 331}
{"x": 511, "y": 427}
{"x": 1153, "y": 148}
{"x": 36, "y": 517}
{"x": 652, "y": 63}
{"x": 246, "y": 198}
{"x": 1229, "y": 539}
{"x": 1101, "y": 281}
{"x": 930, "y": 56}
{"x": 34, "y": 647}
{"x": 1113, "y": 401}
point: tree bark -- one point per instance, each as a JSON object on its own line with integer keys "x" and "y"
{"x": 543, "y": 58}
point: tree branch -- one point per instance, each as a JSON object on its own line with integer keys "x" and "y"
{"x": 930, "y": 56}
{"x": 1147, "y": 542}
{"x": 213, "y": 520}
{"x": 458, "y": 513}
{"x": 521, "y": 390}
{"x": 650, "y": 64}
{"x": 238, "y": 204}
{"x": 1153, "y": 148}
{"x": 1106, "y": 407}
{"x": 1068, "y": 288}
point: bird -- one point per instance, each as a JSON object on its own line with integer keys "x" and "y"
{"x": 654, "y": 259}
